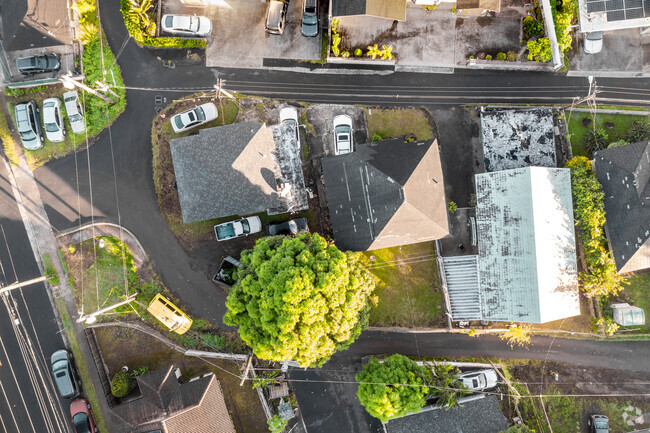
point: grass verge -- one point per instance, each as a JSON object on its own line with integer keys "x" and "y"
{"x": 637, "y": 293}
{"x": 89, "y": 388}
{"x": 396, "y": 122}
{"x": 408, "y": 290}
{"x": 621, "y": 123}
{"x": 8, "y": 141}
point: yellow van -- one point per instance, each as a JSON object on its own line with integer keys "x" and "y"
{"x": 169, "y": 314}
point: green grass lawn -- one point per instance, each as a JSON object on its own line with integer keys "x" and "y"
{"x": 98, "y": 273}
{"x": 639, "y": 293}
{"x": 396, "y": 122}
{"x": 574, "y": 120}
{"x": 409, "y": 289}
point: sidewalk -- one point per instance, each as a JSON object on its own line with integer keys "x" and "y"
{"x": 43, "y": 241}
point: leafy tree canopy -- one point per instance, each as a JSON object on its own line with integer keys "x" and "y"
{"x": 299, "y": 299}
{"x": 393, "y": 388}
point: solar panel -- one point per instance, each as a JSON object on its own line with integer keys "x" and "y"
{"x": 619, "y": 10}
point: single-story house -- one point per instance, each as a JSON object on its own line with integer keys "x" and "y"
{"x": 475, "y": 415}
{"x": 166, "y": 405}
{"x": 624, "y": 173}
{"x": 526, "y": 268}
{"x": 386, "y": 193}
{"x": 239, "y": 169}
{"x": 517, "y": 138}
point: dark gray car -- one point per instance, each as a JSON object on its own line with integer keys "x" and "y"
{"x": 64, "y": 373}
{"x": 40, "y": 63}
{"x": 28, "y": 124}
{"x": 598, "y": 424}
{"x": 291, "y": 227}
{"x": 309, "y": 18}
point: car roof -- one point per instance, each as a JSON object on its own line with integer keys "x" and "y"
{"x": 275, "y": 9}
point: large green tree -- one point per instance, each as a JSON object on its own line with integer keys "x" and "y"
{"x": 299, "y": 299}
{"x": 393, "y": 388}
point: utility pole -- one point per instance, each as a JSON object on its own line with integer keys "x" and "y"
{"x": 23, "y": 284}
{"x": 248, "y": 366}
{"x": 67, "y": 81}
{"x": 90, "y": 318}
{"x": 219, "y": 89}
{"x": 591, "y": 95}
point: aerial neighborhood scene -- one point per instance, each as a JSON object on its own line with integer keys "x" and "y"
{"x": 325, "y": 216}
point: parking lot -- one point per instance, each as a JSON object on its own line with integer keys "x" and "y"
{"x": 238, "y": 37}
{"x": 65, "y": 53}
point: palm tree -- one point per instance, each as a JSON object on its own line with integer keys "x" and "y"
{"x": 445, "y": 385}
{"x": 140, "y": 9}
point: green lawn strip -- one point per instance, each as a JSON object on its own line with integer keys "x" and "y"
{"x": 577, "y": 132}
{"x": 87, "y": 384}
{"x": 408, "y": 291}
{"x": 395, "y": 122}
{"x": 135, "y": 19}
{"x": 49, "y": 270}
{"x": 7, "y": 140}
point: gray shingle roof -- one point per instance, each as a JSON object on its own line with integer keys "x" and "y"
{"x": 527, "y": 256}
{"x": 390, "y": 9}
{"x": 479, "y": 416}
{"x": 624, "y": 174}
{"x": 227, "y": 170}
{"x": 385, "y": 194}
{"x": 517, "y": 138}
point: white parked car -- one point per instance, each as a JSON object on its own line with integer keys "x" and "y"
{"x": 238, "y": 228}
{"x": 290, "y": 115}
{"x": 194, "y": 117}
{"x": 479, "y": 380}
{"x": 186, "y": 25}
{"x": 593, "y": 42}
{"x": 52, "y": 120}
{"x": 343, "y": 134}
{"x": 74, "y": 110}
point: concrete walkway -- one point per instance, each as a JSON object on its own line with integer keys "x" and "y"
{"x": 43, "y": 241}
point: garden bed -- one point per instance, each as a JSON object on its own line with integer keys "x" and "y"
{"x": 409, "y": 287}
{"x": 614, "y": 126}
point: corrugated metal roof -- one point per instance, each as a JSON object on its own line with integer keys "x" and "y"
{"x": 527, "y": 255}
{"x": 461, "y": 277}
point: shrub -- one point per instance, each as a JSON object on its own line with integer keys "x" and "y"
{"x": 596, "y": 140}
{"x": 488, "y": 57}
{"x": 452, "y": 206}
{"x": 540, "y": 50}
{"x": 516, "y": 335}
{"x": 121, "y": 384}
{"x": 377, "y": 137}
{"x": 563, "y": 19}
{"x": 142, "y": 35}
{"x": 471, "y": 57}
{"x": 358, "y": 52}
{"x": 501, "y": 57}
{"x": 617, "y": 143}
{"x": 345, "y": 54}
{"x": 638, "y": 131}
{"x": 276, "y": 424}
{"x": 532, "y": 27}
{"x": 512, "y": 56}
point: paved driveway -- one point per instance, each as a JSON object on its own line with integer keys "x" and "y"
{"x": 239, "y": 40}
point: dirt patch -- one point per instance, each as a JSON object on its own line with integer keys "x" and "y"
{"x": 123, "y": 346}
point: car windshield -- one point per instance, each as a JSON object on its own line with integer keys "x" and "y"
{"x": 245, "y": 227}
{"x": 601, "y": 424}
{"x": 178, "y": 121}
{"x": 51, "y": 127}
{"x": 75, "y": 117}
{"x": 200, "y": 114}
{"x": 42, "y": 62}
{"x": 81, "y": 423}
{"x": 169, "y": 21}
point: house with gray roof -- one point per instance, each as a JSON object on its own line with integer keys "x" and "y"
{"x": 386, "y": 193}
{"x": 475, "y": 415}
{"x": 624, "y": 173}
{"x": 238, "y": 169}
{"x": 517, "y": 138}
{"x": 526, "y": 268}
{"x": 389, "y": 9}
{"x": 167, "y": 405}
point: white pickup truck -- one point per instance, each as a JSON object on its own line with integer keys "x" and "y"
{"x": 238, "y": 228}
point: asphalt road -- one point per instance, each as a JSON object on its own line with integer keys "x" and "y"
{"x": 28, "y": 334}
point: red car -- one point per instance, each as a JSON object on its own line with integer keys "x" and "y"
{"x": 82, "y": 419}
